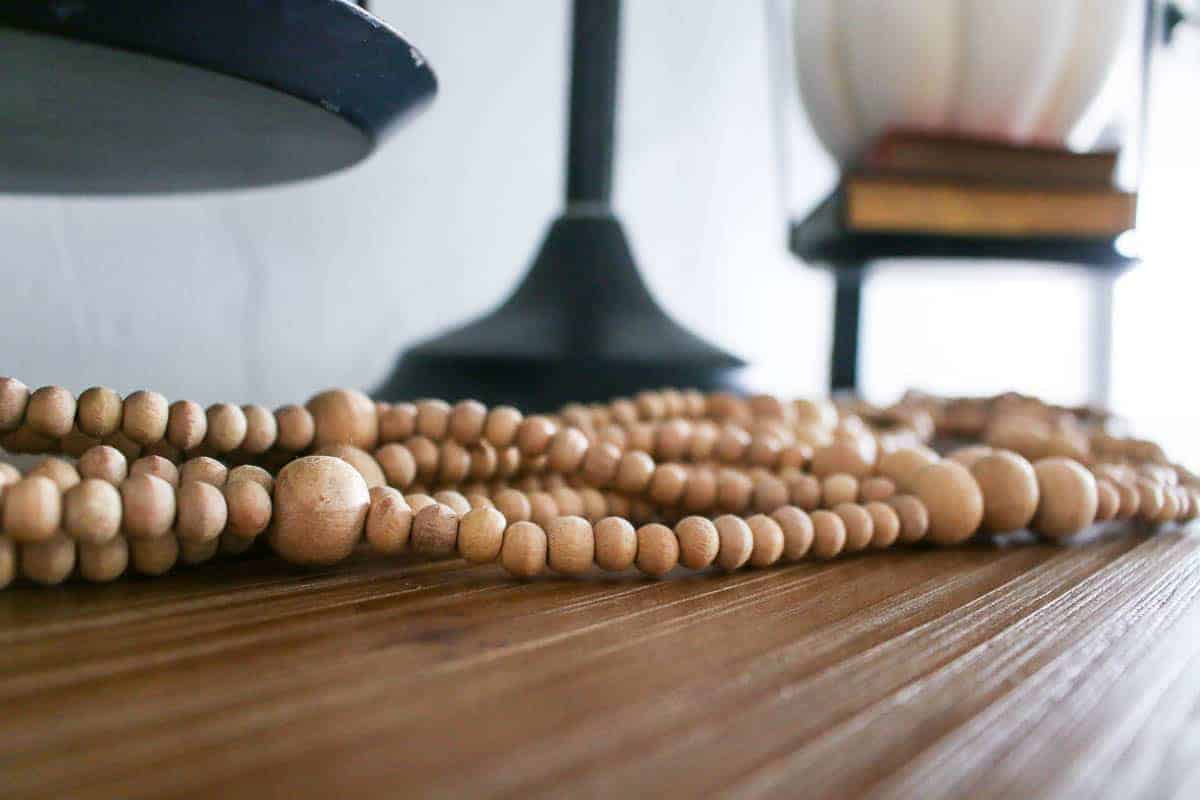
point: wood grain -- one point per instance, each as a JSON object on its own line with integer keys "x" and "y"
{"x": 984, "y": 671}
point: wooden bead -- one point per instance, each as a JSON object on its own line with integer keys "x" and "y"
{"x": 455, "y": 500}
{"x": 198, "y": 551}
{"x": 61, "y": 472}
{"x": 634, "y": 471}
{"x": 454, "y": 463}
{"x": 668, "y": 484}
{"x": 187, "y": 425}
{"x": 433, "y": 419}
{"x": 1068, "y": 497}
{"x": 389, "y": 521}
{"x": 484, "y": 461}
{"x": 534, "y": 435}
{"x": 418, "y": 501}
{"x": 101, "y": 562}
{"x": 435, "y": 531}
{"x": 467, "y": 419}
{"x": 914, "y": 517}
{"x": 734, "y": 491}
{"x": 261, "y": 430}
{"x": 361, "y": 460}
{"x": 98, "y": 412}
{"x": 594, "y": 506}
{"x": 1150, "y": 499}
{"x": 770, "y": 493}
{"x": 838, "y": 489}
{"x": 163, "y": 449}
{"x": 566, "y": 450}
{"x": 843, "y": 456}
{"x": 480, "y": 535}
{"x": 736, "y": 539}
{"x": 701, "y": 492}
{"x": 148, "y": 506}
{"x": 250, "y": 472}
{"x": 764, "y": 451}
{"x": 92, "y": 511}
{"x": 8, "y": 561}
{"x": 1130, "y": 499}
{"x": 14, "y": 398}
{"x": 232, "y": 545}
{"x": 795, "y": 456}
{"x": 768, "y": 540}
{"x": 599, "y": 465}
{"x": 731, "y": 444}
{"x": 616, "y": 544}
{"x": 699, "y": 542}
{"x": 967, "y": 456}
{"x": 875, "y": 489}
{"x": 1107, "y": 500}
{"x": 860, "y": 528}
{"x": 321, "y": 506}
{"x": 426, "y": 455}
{"x": 673, "y": 439}
{"x": 567, "y": 501}
{"x": 128, "y": 448}
{"x": 1170, "y": 508}
{"x": 397, "y": 422}
{"x": 513, "y": 505}
{"x": 248, "y": 507}
{"x": 48, "y": 562}
{"x": 344, "y": 416}
{"x": 201, "y": 512}
{"x": 657, "y": 550}
{"x": 154, "y": 556}
{"x": 32, "y": 510}
{"x": 797, "y": 530}
{"x": 104, "y": 463}
{"x": 523, "y": 552}
{"x": 144, "y": 417}
{"x": 296, "y": 428}
{"x": 501, "y": 426}
{"x": 542, "y": 508}
{"x": 226, "y": 428}
{"x": 804, "y": 491}
{"x": 885, "y": 524}
{"x": 50, "y": 412}
{"x": 952, "y": 499}
{"x": 1010, "y": 490}
{"x": 76, "y": 443}
{"x": 25, "y": 440}
{"x": 642, "y": 511}
{"x": 704, "y": 440}
{"x": 203, "y": 468}
{"x": 902, "y": 465}
{"x": 571, "y": 545}
{"x": 157, "y": 466}
{"x": 829, "y": 534}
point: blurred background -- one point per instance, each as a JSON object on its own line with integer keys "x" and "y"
{"x": 268, "y": 295}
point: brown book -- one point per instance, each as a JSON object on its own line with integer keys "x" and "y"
{"x": 891, "y": 204}
{"x": 931, "y": 155}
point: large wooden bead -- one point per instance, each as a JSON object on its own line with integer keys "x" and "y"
{"x": 860, "y": 528}
{"x": 32, "y": 510}
{"x": 1068, "y": 497}
{"x": 101, "y": 562}
{"x": 105, "y": 463}
{"x": 572, "y": 546}
{"x": 51, "y": 412}
{"x": 148, "y": 506}
{"x": 523, "y": 552}
{"x": 187, "y": 425}
{"x": 885, "y": 523}
{"x": 768, "y": 540}
{"x": 203, "y": 468}
{"x": 953, "y": 500}
{"x": 98, "y": 412}
{"x": 92, "y": 511}
{"x": 914, "y": 517}
{"x": 296, "y": 428}
{"x": 360, "y": 459}
{"x": 797, "y": 530}
{"x": 157, "y": 466}
{"x": 829, "y": 534}
{"x": 261, "y": 430}
{"x": 63, "y": 473}
{"x": 144, "y": 417}
{"x": 344, "y": 416}
{"x": 248, "y": 504}
{"x": 657, "y": 550}
{"x": 8, "y": 561}
{"x": 902, "y": 465}
{"x": 14, "y": 398}
{"x": 48, "y": 562}
{"x": 481, "y": 534}
{"x": 435, "y": 531}
{"x": 1010, "y": 490}
{"x": 736, "y": 540}
{"x": 699, "y": 542}
{"x": 201, "y": 512}
{"x": 226, "y": 428}
{"x": 320, "y": 507}
{"x": 154, "y": 556}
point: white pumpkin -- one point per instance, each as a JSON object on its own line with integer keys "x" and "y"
{"x": 1020, "y": 70}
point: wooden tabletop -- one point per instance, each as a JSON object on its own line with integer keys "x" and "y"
{"x": 985, "y": 671}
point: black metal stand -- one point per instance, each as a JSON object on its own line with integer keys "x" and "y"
{"x": 582, "y": 325}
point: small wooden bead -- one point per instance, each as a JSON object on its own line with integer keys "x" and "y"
{"x": 634, "y": 471}
{"x": 616, "y": 544}
{"x": 571, "y": 545}
{"x": 967, "y": 456}
{"x": 427, "y": 456}
{"x": 157, "y": 466}
{"x": 203, "y": 468}
{"x": 952, "y": 499}
{"x": 344, "y": 416}
{"x": 731, "y": 444}
{"x": 704, "y": 440}
{"x": 699, "y": 542}
{"x": 389, "y": 521}
{"x": 397, "y": 422}
{"x": 567, "y": 501}
{"x": 1130, "y": 499}
{"x": 642, "y": 511}
{"x": 650, "y": 405}
{"x": 829, "y": 534}
{"x": 542, "y": 508}
{"x": 1107, "y": 500}
{"x": 734, "y": 491}
{"x": 902, "y": 465}
{"x": 513, "y": 505}
{"x": 481, "y": 535}
{"x": 249, "y": 472}
{"x": 8, "y": 561}
{"x": 129, "y": 448}
{"x": 523, "y": 552}
{"x": 768, "y": 540}
{"x": 361, "y": 460}
{"x": 455, "y": 500}
{"x": 701, "y": 492}
{"x": 105, "y": 463}
{"x": 1010, "y": 490}
{"x": 843, "y": 456}
{"x": 61, "y": 472}
{"x": 770, "y": 493}
{"x": 534, "y": 435}
{"x": 32, "y": 510}
{"x": 764, "y": 451}
{"x": 201, "y": 512}
{"x": 736, "y": 540}
{"x": 484, "y": 461}
{"x": 875, "y": 489}
{"x": 795, "y": 456}
{"x": 226, "y": 428}
{"x": 198, "y": 551}
{"x": 232, "y": 545}
{"x": 433, "y": 419}
{"x": 838, "y": 489}
{"x": 92, "y": 511}
{"x": 248, "y": 507}
{"x": 501, "y": 426}
{"x": 599, "y": 465}
{"x": 98, "y": 412}
{"x": 594, "y": 506}
{"x": 566, "y": 450}
{"x": 435, "y": 531}
{"x": 187, "y": 425}
{"x": 1170, "y": 508}
{"x": 261, "y": 430}
{"x": 860, "y": 528}
{"x": 296, "y": 428}
{"x": 154, "y": 556}
{"x": 466, "y": 423}
{"x": 673, "y": 439}
{"x": 657, "y": 550}
{"x": 914, "y": 517}
{"x": 552, "y": 480}
{"x": 14, "y": 398}
{"x": 797, "y": 530}
{"x": 618, "y": 504}
{"x": 50, "y": 411}
{"x": 144, "y": 417}
{"x": 668, "y": 484}
{"x": 148, "y": 506}
{"x": 101, "y": 562}
{"x": 1068, "y": 497}
{"x": 454, "y": 462}
{"x": 804, "y": 491}
{"x": 320, "y": 507}
{"x": 1150, "y": 499}
{"x": 885, "y": 524}
{"x": 418, "y": 501}
{"x": 48, "y": 562}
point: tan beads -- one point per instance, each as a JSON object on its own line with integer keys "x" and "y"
{"x": 797, "y": 531}
{"x": 321, "y": 508}
{"x": 296, "y": 428}
{"x": 1108, "y": 500}
{"x": 226, "y": 427}
{"x": 481, "y": 535}
{"x": 101, "y": 562}
{"x": 736, "y": 542}
{"x": 187, "y": 425}
{"x": 61, "y": 472}
{"x": 768, "y": 540}
{"x": 360, "y": 459}
{"x": 49, "y": 561}
{"x": 501, "y": 426}
{"x": 571, "y": 545}
{"x": 144, "y": 417}
{"x": 389, "y": 521}
{"x": 50, "y": 411}
{"x": 829, "y": 534}
{"x": 398, "y": 465}
{"x": 154, "y": 556}
{"x": 92, "y": 511}
{"x": 201, "y": 512}
{"x": 1068, "y": 497}
{"x": 148, "y": 506}
{"x": 885, "y": 524}
{"x": 261, "y": 430}
{"x": 248, "y": 507}
{"x": 860, "y": 527}
{"x": 32, "y": 510}
{"x": 203, "y": 468}
{"x": 657, "y": 550}
{"x": 534, "y": 435}
{"x": 634, "y": 472}
{"x": 1010, "y": 490}
{"x": 98, "y": 412}
{"x": 699, "y": 542}
{"x": 14, "y": 398}
{"x": 838, "y": 489}
{"x": 157, "y": 466}
{"x": 566, "y": 450}
{"x": 914, "y": 517}
{"x": 902, "y": 465}
{"x": 344, "y": 416}
{"x": 434, "y": 531}
{"x": 876, "y": 489}
{"x": 105, "y": 463}
{"x": 953, "y": 500}
{"x": 616, "y": 544}
{"x": 523, "y": 552}
{"x": 843, "y": 456}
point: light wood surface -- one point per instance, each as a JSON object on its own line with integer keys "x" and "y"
{"x": 983, "y": 671}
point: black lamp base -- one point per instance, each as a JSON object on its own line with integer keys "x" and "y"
{"x": 581, "y": 327}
